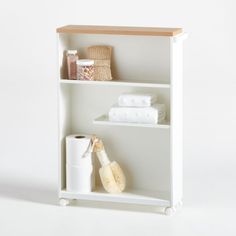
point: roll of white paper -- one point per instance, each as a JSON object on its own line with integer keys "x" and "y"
{"x": 79, "y": 178}
{"x": 79, "y": 164}
{"x": 76, "y": 147}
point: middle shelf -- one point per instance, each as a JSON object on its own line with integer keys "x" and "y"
{"x": 87, "y": 107}
{"x": 103, "y": 120}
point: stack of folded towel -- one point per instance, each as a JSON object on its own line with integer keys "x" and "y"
{"x": 137, "y": 108}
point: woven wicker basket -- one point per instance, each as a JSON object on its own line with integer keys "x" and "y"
{"x": 102, "y": 61}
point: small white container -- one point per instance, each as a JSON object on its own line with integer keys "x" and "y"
{"x": 85, "y": 69}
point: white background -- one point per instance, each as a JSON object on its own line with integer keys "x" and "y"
{"x": 28, "y": 128}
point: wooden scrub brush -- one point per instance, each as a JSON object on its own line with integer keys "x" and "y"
{"x": 112, "y": 176}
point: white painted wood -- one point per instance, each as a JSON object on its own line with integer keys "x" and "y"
{"x": 64, "y": 202}
{"x": 136, "y": 58}
{"x": 63, "y": 108}
{"x": 150, "y": 155}
{"x": 144, "y": 83}
{"x": 89, "y": 102}
{"x": 60, "y": 172}
{"x": 176, "y": 121}
{"x": 132, "y": 147}
{"x": 132, "y": 196}
{"x": 103, "y": 120}
{"x": 180, "y": 37}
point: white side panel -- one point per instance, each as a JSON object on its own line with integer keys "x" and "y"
{"x": 63, "y": 106}
{"x": 176, "y": 120}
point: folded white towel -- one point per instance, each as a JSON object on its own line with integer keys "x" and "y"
{"x": 136, "y": 100}
{"x": 145, "y": 115}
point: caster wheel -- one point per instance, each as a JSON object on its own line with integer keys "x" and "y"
{"x": 64, "y": 202}
{"x": 169, "y": 211}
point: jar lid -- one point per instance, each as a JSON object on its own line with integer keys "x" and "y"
{"x": 85, "y": 62}
{"x": 73, "y": 52}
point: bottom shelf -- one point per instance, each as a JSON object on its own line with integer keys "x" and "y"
{"x": 130, "y": 196}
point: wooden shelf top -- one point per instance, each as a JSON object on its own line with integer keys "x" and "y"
{"x": 119, "y": 30}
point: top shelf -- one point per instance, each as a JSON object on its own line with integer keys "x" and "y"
{"x": 146, "y": 84}
{"x": 119, "y": 30}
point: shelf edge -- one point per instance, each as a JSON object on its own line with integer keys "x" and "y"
{"x": 116, "y": 83}
{"x": 106, "y": 197}
{"x": 103, "y": 120}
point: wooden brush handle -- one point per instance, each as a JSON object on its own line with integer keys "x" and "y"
{"x": 103, "y": 158}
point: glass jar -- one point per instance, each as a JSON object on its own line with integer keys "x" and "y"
{"x": 85, "y": 69}
{"x": 72, "y": 57}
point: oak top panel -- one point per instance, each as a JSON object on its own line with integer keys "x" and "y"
{"x": 119, "y": 30}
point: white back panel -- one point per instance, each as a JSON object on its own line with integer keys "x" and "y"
{"x": 142, "y": 152}
{"x": 136, "y": 58}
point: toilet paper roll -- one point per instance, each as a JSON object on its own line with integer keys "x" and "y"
{"x": 76, "y": 147}
{"x": 79, "y": 178}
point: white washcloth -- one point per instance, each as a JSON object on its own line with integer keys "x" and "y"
{"x": 145, "y": 115}
{"x": 136, "y": 100}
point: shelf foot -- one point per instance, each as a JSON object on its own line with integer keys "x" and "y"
{"x": 170, "y": 211}
{"x": 64, "y": 202}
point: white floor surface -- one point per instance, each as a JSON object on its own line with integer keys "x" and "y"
{"x": 31, "y": 208}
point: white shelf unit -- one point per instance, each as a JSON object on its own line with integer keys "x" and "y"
{"x": 150, "y": 155}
